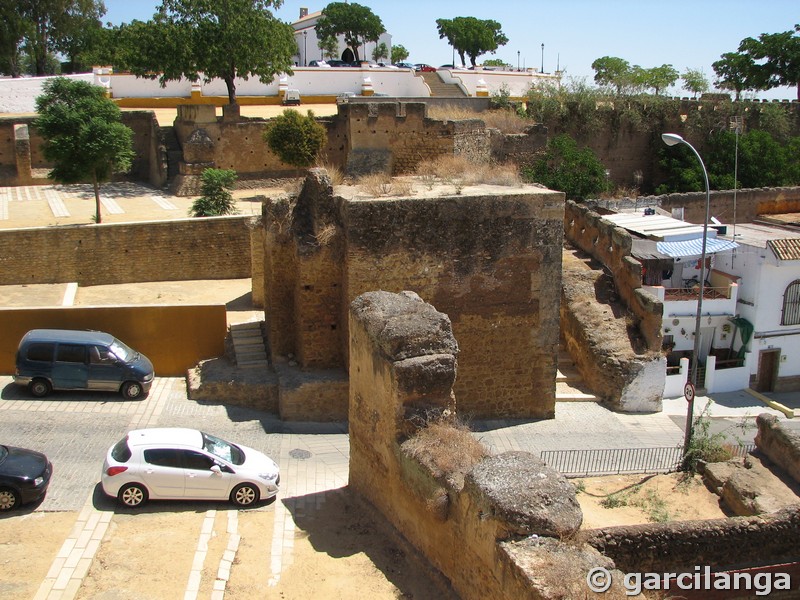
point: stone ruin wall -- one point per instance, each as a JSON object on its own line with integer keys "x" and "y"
{"x": 22, "y": 161}
{"x": 492, "y": 261}
{"x": 489, "y": 536}
{"x": 611, "y": 246}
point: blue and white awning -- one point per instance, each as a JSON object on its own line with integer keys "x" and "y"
{"x": 694, "y": 247}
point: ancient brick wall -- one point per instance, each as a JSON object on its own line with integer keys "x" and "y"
{"x": 476, "y": 530}
{"x": 208, "y": 248}
{"x": 149, "y": 163}
{"x": 721, "y": 543}
{"x": 611, "y": 246}
{"x": 490, "y": 258}
{"x": 750, "y": 203}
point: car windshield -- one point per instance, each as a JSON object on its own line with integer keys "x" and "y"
{"x": 224, "y": 450}
{"x": 121, "y": 351}
{"x": 3, "y": 453}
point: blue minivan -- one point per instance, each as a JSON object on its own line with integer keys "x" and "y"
{"x": 62, "y": 359}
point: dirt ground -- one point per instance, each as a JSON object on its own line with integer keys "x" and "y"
{"x": 342, "y": 548}
{"x": 634, "y": 499}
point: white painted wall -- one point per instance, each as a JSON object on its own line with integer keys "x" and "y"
{"x": 644, "y": 393}
{"x": 129, "y": 86}
{"x": 764, "y": 281}
{"x": 517, "y": 82}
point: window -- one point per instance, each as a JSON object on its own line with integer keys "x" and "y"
{"x": 43, "y": 352}
{"x": 791, "y": 304}
{"x": 71, "y": 353}
{"x": 196, "y": 460}
{"x": 121, "y": 452}
{"x": 163, "y": 457}
{"x": 99, "y": 355}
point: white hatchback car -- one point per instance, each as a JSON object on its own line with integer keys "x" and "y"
{"x": 187, "y": 464}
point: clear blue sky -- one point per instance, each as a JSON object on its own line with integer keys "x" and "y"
{"x": 683, "y": 33}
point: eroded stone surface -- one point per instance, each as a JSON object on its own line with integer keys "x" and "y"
{"x": 529, "y": 496}
{"x": 782, "y": 445}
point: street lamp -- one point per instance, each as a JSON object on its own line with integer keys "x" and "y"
{"x": 517, "y": 60}
{"x": 542, "y": 71}
{"x": 305, "y": 54}
{"x": 672, "y": 139}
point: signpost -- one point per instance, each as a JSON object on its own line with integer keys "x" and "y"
{"x": 688, "y": 391}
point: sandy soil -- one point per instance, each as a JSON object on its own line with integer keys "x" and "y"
{"x": 634, "y": 499}
{"x": 341, "y": 548}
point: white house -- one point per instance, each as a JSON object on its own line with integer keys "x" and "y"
{"x": 305, "y": 34}
{"x": 767, "y": 262}
{"x": 750, "y": 322}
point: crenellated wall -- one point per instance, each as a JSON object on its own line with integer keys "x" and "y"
{"x": 611, "y": 246}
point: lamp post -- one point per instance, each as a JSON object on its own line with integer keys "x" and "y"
{"x": 517, "y": 60}
{"x": 672, "y": 139}
{"x": 542, "y": 71}
{"x": 305, "y": 54}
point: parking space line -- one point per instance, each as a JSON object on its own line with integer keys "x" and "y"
{"x": 111, "y": 205}
{"x": 56, "y": 203}
{"x": 4, "y": 207}
{"x": 196, "y": 574}
{"x": 73, "y": 560}
{"x": 163, "y": 202}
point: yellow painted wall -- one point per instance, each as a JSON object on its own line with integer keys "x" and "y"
{"x": 175, "y": 338}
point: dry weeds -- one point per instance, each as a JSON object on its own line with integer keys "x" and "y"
{"x": 447, "y": 448}
{"x": 505, "y": 120}
{"x": 460, "y": 171}
{"x": 335, "y": 173}
{"x": 381, "y": 184}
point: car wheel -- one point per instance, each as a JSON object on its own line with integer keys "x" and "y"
{"x": 132, "y": 495}
{"x": 39, "y": 387}
{"x": 132, "y": 390}
{"x": 8, "y": 499}
{"x": 244, "y": 494}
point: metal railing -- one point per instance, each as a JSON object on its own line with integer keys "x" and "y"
{"x": 689, "y": 294}
{"x": 583, "y": 463}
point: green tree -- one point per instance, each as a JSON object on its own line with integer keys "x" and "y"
{"x": 659, "y": 78}
{"x": 356, "y": 23}
{"x": 471, "y": 37}
{"x": 216, "y": 199}
{"x": 297, "y": 140}
{"x": 13, "y": 30}
{"x": 575, "y": 171}
{"x": 221, "y": 40}
{"x": 53, "y": 23}
{"x": 79, "y": 32}
{"x": 695, "y": 81}
{"x": 613, "y": 72}
{"x": 329, "y": 46}
{"x": 496, "y": 62}
{"x": 83, "y": 134}
{"x": 399, "y": 54}
{"x": 380, "y": 51}
{"x": 734, "y": 72}
{"x": 776, "y": 58}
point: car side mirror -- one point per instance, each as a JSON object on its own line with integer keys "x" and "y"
{"x": 216, "y": 469}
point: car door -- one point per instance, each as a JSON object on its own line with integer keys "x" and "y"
{"x": 162, "y": 472}
{"x": 70, "y": 369}
{"x": 201, "y": 480}
{"x": 105, "y": 372}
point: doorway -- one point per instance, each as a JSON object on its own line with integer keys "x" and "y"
{"x": 768, "y": 361}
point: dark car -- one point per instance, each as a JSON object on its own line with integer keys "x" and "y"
{"x": 423, "y": 68}
{"x": 24, "y": 476}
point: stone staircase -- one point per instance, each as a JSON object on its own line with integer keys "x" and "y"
{"x": 439, "y": 88}
{"x": 174, "y": 152}
{"x": 569, "y": 383}
{"x": 249, "y": 349}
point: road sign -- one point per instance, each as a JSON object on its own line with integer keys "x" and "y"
{"x": 688, "y": 391}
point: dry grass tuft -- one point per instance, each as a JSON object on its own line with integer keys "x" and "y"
{"x": 326, "y": 234}
{"x": 460, "y": 171}
{"x": 447, "y": 448}
{"x": 381, "y": 184}
{"x": 505, "y": 120}
{"x": 335, "y": 173}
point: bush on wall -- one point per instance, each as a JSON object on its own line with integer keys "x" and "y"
{"x": 217, "y": 200}
{"x": 297, "y": 140}
{"x": 564, "y": 167}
